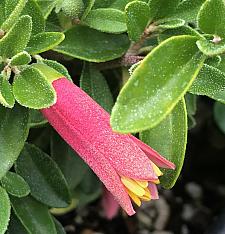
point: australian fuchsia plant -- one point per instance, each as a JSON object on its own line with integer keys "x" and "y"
{"x": 137, "y": 67}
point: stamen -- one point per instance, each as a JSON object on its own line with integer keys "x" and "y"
{"x": 133, "y": 186}
{"x": 155, "y": 181}
{"x": 143, "y": 184}
{"x": 134, "y": 197}
{"x": 156, "y": 169}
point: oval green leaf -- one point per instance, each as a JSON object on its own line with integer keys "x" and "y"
{"x": 15, "y": 185}
{"x": 91, "y": 45}
{"x": 88, "y": 4}
{"x": 33, "y": 215}
{"x": 106, "y": 20}
{"x": 4, "y": 211}
{"x": 32, "y": 9}
{"x": 12, "y": 12}
{"x": 211, "y": 17}
{"x": 19, "y": 33}
{"x": 157, "y": 85}
{"x": 210, "y": 48}
{"x": 137, "y": 18}
{"x": 6, "y": 95}
{"x": 209, "y": 82}
{"x": 42, "y": 42}
{"x": 23, "y": 58}
{"x": 13, "y": 133}
{"x": 31, "y": 89}
{"x": 46, "y": 181}
{"x": 170, "y": 23}
{"x": 169, "y": 138}
{"x": 162, "y": 8}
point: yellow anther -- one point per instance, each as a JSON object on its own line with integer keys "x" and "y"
{"x": 133, "y": 186}
{"x": 134, "y": 197}
{"x": 156, "y": 169}
{"x": 147, "y": 193}
{"x": 155, "y": 181}
{"x": 143, "y": 184}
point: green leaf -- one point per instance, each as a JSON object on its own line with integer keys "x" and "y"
{"x": 22, "y": 58}
{"x": 15, "y": 226}
{"x": 219, "y": 115}
{"x": 106, "y": 20}
{"x": 46, "y": 6}
{"x": 162, "y": 8}
{"x": 191, "y": 105}
{"x": 12, "y": 17}
{"x": 89, "y": 189}
{"x": 221, "y": 66}
{"x": 137, "y": 18}
{"x": 57, "y": 66}
{"x": 183, "y": 30}
{"x": 19, "y": 33}
{"x": 170, "y": 23}
{"x": 88, "y": 5}
{"x": 91, "y": 45}
{"x": 31, "y": 89}
{"x": 33, "y": 215}
{"x": 2, "y": 12}
{"x": 13, "y": 133}
{"x": 6, "y": 96}
{"x": 15, "y": 185}
{"x": 210, "y": 82}
{"x": 4, "y": 211}
{"x": 157, "y": 85}
{"x": 169, "y": 138}
{"x": 188, "y": 10}
{"x": 211, "y": 17}
{"x": 46, "y": 181}
{"x": 36, "y": 119}
{"x": 94, "y": 84}
{"x": 59, "y": 227}
{"x": 44, "y": 41}
{"x": 71, "y": 165}
{"x": 32, "y": 9}
{"x": 214, "y": 61}
{"x": 210, "y": 48}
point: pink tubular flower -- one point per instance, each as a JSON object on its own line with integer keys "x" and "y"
{"x": 126, "y": 166}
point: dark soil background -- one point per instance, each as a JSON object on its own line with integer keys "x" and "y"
{"x": 196, "y": 205}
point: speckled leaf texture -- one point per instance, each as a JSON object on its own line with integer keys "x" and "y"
{"x": 162, "y": 8}
{"x": 211, "y": 17}
{"x": 106, "y": 20}
{"x": 15, "y": 185}
{"x": 169, "y": 138}
{"x": 43, "y": 176}
{"x": 6, "y": 96}
{"x": 13, "y": 10}
{"x": 95, "y": 85}
{"x": 93, "y": 46}
{"x": 31, "y": 89}
{"x": 4, "y": 211}
{"x": 13, "y": 133}
{"x": 157, "y": 85}
{"x": 210, "y": 82}
{"x": 19, "y": 33}
{"x": 137, "y": 18}
{"x": 42, "y": 42}
{"x": 33, "y": 215}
